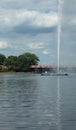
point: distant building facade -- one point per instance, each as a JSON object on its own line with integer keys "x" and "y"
{"x": 41, "y": 68}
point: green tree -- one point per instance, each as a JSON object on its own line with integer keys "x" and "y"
{"x": 2, "y": 59}
{"x": 32, "y": 58}
{"x": 21, "y": 63}
{"x": 11, "y": 62}
{"x": 25, "y": 60}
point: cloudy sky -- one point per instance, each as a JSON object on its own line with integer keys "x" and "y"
{"x": 32, "y": 26}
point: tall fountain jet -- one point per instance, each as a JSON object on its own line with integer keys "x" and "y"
{"x": 60, "y": 3}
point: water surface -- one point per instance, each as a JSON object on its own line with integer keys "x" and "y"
{"x": 34, "y": 102}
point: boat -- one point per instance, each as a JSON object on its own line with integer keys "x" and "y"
{"x": 59, "y": 74}
{"x": 54, "y": 74}
{"x": 45, "y": 73}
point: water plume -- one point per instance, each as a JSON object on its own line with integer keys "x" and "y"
{"x": 60, "y": 3}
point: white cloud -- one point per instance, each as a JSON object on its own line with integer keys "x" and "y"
{"x": 49, "y": 52}
{"x": 35, "y": 45}
{"x": 3, "y": 44}
{"x": 46, "y": 52}
{"x": 35, "y": 18}
{"x": 45, "y": 20}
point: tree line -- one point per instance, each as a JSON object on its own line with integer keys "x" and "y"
{"x": 19, "y": 63}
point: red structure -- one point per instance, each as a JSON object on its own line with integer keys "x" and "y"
{"x": 41, "y": 68}
{"x": 3, "y": 67}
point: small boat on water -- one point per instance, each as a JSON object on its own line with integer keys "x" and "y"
{"x": 60, "y": 74}
{"x": 45, "y": 73}
{"x": 54, "y": 74}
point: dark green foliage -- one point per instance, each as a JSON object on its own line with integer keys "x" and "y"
{"x": 2, "y": 59}
{"x": 25, "y": 60}
{"x": 22, "y": 62}
{"x": 10, "y": 62}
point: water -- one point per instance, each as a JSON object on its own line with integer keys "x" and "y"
{"x": 34, "y": 102}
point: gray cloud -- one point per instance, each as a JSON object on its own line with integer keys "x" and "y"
{"x": 34, "y": 22}
{"x": 69, "y": 7}
{"x": 26, "y": 22}
{"x": 29, "y": 4}
{"x": 23, "y": 29}
{"x": 28, "y": 25}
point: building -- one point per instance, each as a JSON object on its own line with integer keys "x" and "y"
{"x": 41, "y": 68}
{"x": 3, "y": 67}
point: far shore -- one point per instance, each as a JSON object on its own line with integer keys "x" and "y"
{"x": 13, "y": 72}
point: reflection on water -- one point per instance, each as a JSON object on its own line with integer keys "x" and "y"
{"x": 34, "y": 102}
{"x": 58, "y": 104}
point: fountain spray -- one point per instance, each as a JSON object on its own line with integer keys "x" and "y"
{"x": 60, "y": 3}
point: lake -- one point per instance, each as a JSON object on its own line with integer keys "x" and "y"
{"x": 35, "y": 102}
